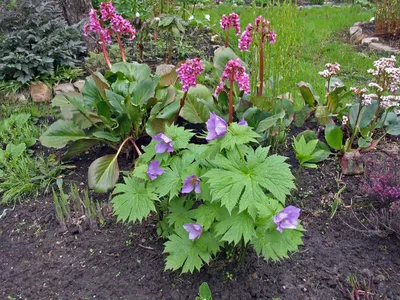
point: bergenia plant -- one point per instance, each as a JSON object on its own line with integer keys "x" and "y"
{"x": 209, "y": 196}
{"x": 234, "y": 72}
{"x": 258, "y": 33}
{"x": 187, "y": 73}
{"x": 106, "y": 22}
{"x": 228, "y": 22}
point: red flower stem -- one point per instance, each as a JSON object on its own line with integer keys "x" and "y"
{"x": 104, "y": 49}
{"x": 261, "y": 80}
{"x": 180, "y": 107}
{"x": 121, "y": 47}
{"x": 231, "y": 80}
{"x": 226, "y": 38}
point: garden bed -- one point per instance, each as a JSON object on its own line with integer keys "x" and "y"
{"x": 121, "y": 262}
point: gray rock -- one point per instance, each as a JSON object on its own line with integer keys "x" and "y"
{"x": 383, "y": 48}
{"x": 355, "y": 29}
{"x": 40, "y": 92}
{"x": 79, "y": 84}
{"x": 357, "y": 37}
{"x": 216, "y": 39}
{"x": 63, "y": 88}
{"x": 21, "y": 97}
{"x": 369, "y": 40}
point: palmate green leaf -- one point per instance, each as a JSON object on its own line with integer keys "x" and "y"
{"x": 133, "y": 201}
{"x": 206, "y": 214}
{"x": 244, "y": 183}
{"x": 189, "y": 255}
{"x": 180, "y": 137}
{"x": 237, "y": 135}
{"x": 179, "y": 209}
{"x": 235, "y": 227}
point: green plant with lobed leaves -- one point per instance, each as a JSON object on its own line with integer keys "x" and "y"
{"x": 228, "y": 189}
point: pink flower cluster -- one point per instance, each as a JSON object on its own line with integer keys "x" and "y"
{"x": 188, "y": 72}
{"x": 232, "y": 20}
{"x": 331, "y": 70}
{"x": 108, "y": 14}
{"x": 263, "y": 27}
{"x": 235, "y": 71}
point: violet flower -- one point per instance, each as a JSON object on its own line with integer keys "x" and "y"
{"x": 191, "y": 183}
{"x": 188, "y": 72}
{"x": 164, "y": 143}
{"x": 236, "y": 71}
{"x": 287, "y": 218}
{"x": 194, "y": 230}
{"x": 216, "y": 126}
{"x": 243, "y": 122}
{"x": 154, "y": 170}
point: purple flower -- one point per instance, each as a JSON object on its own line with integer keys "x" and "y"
{"x": 195, "y": 230}
{"x": 243, "y": 122}
{"x": 188, "y": 72}
{"x": 216, "y": 127}
{"x": 191, "y": 183}
{"x": 154, "y": 170}
{"x": 164, "y": 143}
{"x": 287, "y": 218}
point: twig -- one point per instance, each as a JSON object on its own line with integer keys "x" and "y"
{"x": 5, "y": 212}
{"x": 146, "y": 247}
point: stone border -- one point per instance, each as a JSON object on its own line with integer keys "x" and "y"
{"x": 357, "y": 36}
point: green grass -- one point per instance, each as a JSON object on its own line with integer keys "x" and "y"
{"x": 319, "y": 32}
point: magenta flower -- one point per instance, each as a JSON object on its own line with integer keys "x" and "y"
{"x": 216, "y": 126}
{"x": 95, "y": 26}
{"x": 232, "y": 20}
{"x": 164, "y": 143}
{"x": 271, "y": 37}
{"x": 122, "y": 26}
{"x": 188, "y": 72}
{"x": 246, "y": 38}
{"x": 154, "y": 170}
{"x": 107, "y": 11}
{"x": 194, "y": 230}
{"x": 287, "y": 218}
{"x": 243, "y": 122}
{"x": 236, "y": 72}
{"x": 191, "y": 183}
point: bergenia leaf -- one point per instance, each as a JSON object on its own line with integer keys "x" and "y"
{"x": 133, "y": 201}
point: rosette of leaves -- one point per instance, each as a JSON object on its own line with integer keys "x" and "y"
{"x": 323, "y": 107}
{"x": 309, "y": 150}
{"x": 115, "y": 109}
{"x": 242, "y": 189}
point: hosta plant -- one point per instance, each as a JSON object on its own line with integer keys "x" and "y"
{"x": 208, "y": 196}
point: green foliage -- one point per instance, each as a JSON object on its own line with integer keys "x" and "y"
{"x": 241, "y": 190}
{"x": 308, "y": 153}
{"x": 204, "y": 292}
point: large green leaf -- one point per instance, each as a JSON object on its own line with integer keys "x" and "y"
{"x": 117, "y": 101}
{"x": 308, "y": 93}
{"x": 221, "y": 57}
{"x": 79, "y": 147}
{"x": 196, "y": 111}
{"x": 103, "y": 173}
{"x": 60, "y": 133}
{"x": 334, "y": 136}
{"x": 322, "y": 151}
{"x": 143, "y": 91}
{"x": 133, "y": 201}
{"x": 366, "y": 115}
{"x": 267, "y": 123}
{"x": 132, "y": 71}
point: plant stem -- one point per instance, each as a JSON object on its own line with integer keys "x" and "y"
{"x": 230, "y": 97}
{"x": 121, "y": 48}
{"x": 104, "y": 49}
{"x": 226, "y": 38}
{"x": 182, "y": 103}
{"x": 298, "y": 174}
{"x": 171, "y": 46}
{"x": 261, "y": 80}
{"x": 243, "y": 252}
{"x": 355, "y": 127}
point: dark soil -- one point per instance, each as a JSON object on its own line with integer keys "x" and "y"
{"x": 126, "y": 262}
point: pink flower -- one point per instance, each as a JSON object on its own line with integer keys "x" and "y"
{"x": 95, "y": 26}
{"x": 107, "y": 11}
{"x": 122, "y": 26}
{"x": 232, "y": 20}
{"x": 236, "y": 72}
{"x": 188, "y": 72}
{"x": 271, "y": 36}
{"x": 246, "y": 38}
{"x": 331, "y": 69}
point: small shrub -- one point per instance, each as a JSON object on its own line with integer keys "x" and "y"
{"x": 387, "y": 19}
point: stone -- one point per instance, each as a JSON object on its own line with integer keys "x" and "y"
{"x": 372, "y": 20}
{"x": 63, "y": 88}
{"x": 357, "y": 38}
{"x": 369, "y": 40}
{"x": 21, "y": 97}
{"x": 164, "y": 69}
{"x": 355, "y": 29}
{"x": 40, "y": 92}
{"x": 383, "y": 48}
{"x": 79, "y": 84}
